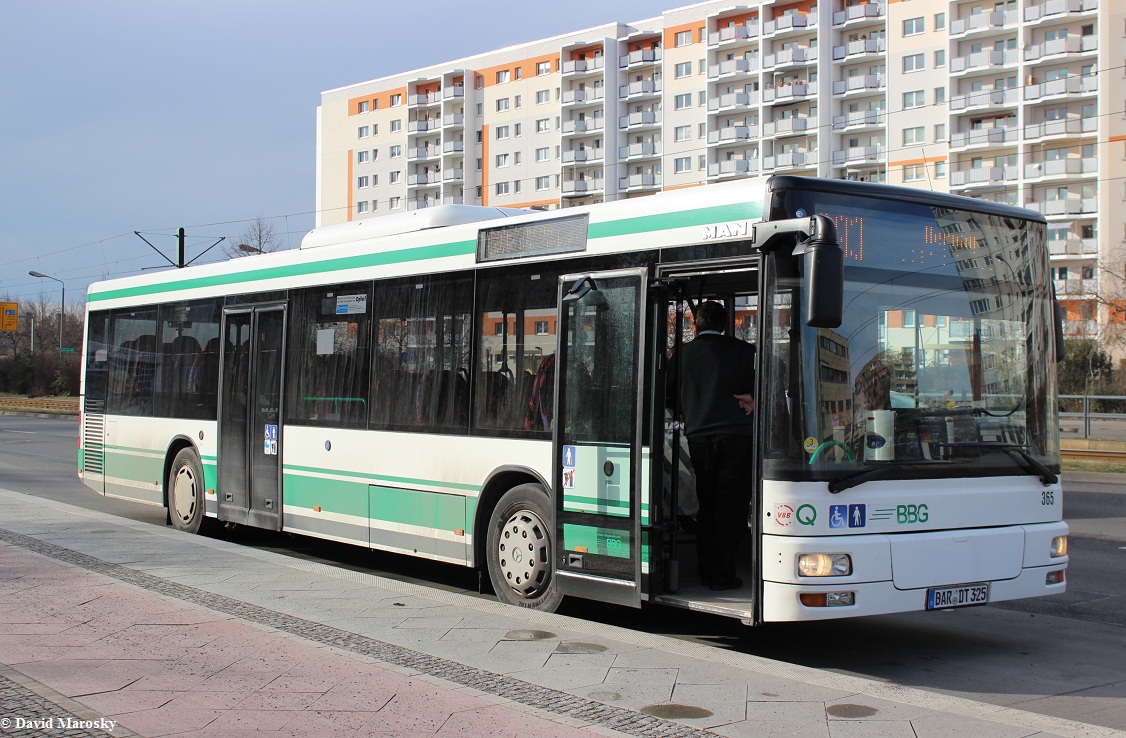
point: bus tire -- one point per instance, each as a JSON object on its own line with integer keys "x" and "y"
{"x": 186, "y": 492}
{"x": 519, "y": 543}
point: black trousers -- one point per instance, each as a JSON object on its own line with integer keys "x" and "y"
{"x": 723, "y": 485}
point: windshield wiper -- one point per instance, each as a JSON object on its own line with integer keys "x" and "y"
{"x": 1019, "y": 453}
{"x": 867, "y": 475}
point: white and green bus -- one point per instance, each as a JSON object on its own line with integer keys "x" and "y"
{"x": 487, "y": 387}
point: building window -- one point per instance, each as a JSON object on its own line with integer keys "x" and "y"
{"x": 543, "y": 96}
{"x": 395, "y": 151}
{"x": 940, "y": 58}
{"x": 940, "y": 170}
{"x": 682, "y": 133}
{"x": 541, "y": 328}
{"x": 913, "y": 63}
{"x": 395, "y": 203}
{"x": 362, "y": 206}
{"x": 913, "y": 26}
{"x": 501, "y": 132}
{"x": 939, "y": 21}
{"x": 395, "y": 177}
{"x": 683, "y": 69}
{"x": 543, "y": 125}
{"x": 501, "y": 160}
{"x": 913, "y": 172}
{"x": 517, "y": 129}
{"x": 396, "y": 125}
{"x": 502, "y": 104}
{"x": 543, "y": 183}
{"x": 502, "y": 188}
{"x": 939, "y": 131}
{"x": 362, "y": 132}
{"x": 503, "y": 76}
{"x": 682, "y": 164}
{"x": 396, "y": 100}
{"x": 362, "y": 156}
{"x": 375, "y": 154}
{"x": 362, "y": 107}
{"x": 362, "y": 182}
{"x": 683, "y": 101}
{"x": 543, "y": 154}
{"x": 913, "y": 135}
{"x": 543, "y": 67}
{"x": 939, "y": 95}
{"x": 702, "y": 162}
{"x": 684, "y": 38}
{"x": 914, "y": 99}
{"x": 702, "y": 130}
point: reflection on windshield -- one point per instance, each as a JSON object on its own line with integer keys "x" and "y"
{"x": 944, "y": 351}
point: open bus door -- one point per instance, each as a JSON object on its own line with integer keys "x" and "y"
{"x": 598, "y": 470}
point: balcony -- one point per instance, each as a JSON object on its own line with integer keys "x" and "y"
{"x": 984, "y": 61}
{"x": 732, "y": 134}
{"x": 1085, "y": 328}
{"x": 1070, "y": 206}
{"x": 855, "y": 50}
{"x": 576, "y": 98}
{"x": 1065, "y": 86}
{"x": 639, "y": 58}
{"x": 857, "y": 155}
{"x": 643, "y": 119}
{"x": 418, "y": 203}
{"x": 983, "y": 176}
{"x": 1073, "y": 246}
{"x": 422, "y": 126}
{"x": 639, "y": 151}
{"x": 984, "y": 99}
{"x": 456, "y": 92}
{"x": 1058, "y": 9}
{"x": 1050, "y": 50}
{"x": 733, "y": 69}
{"x": 453, "y": 147}
{"x": 797, "y": 125}
{"x": 1076, "y": 286}
{"x": 858, "y": 15}
{"x": 642, "y": 89}
{"x": 790, "y": 58}
{"x": 733, "y": 35}
{"x": 791, "y": 160}
{"x": 985, "y": 138}
{"x": 732, "y": 100}
{"x": 426, "y": 100}
{"x": 581, "y": 187}
{"x": 790, "y": 25}
{"x": 453, "y": 175}
{"x": 983, "y": 23}
{"x": 582, "y": 127}
{"x": 861, "y": 84}
{"x": 734, "y": 168}
{"x": 453, "y": 120}
{"x": 1061, "y": 128}
{"x": 635, "y": 182}
{"x": 423, "y": 152}
{"x": 576, "y": 67}
{"x": 579, "y": 156}
{"x": 1062, "y": 168}
{"x": 859, "y": 119}
{"x": 788, "y": 93}
{"x": 424, "y": 180}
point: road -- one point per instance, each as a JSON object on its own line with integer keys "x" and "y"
{"x": 1060, "y": 656}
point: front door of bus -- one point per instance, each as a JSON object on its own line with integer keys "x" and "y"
{"x": 598, "y": 471}
{"x": 250, "y": 437}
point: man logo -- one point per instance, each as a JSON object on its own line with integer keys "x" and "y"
{"x": 726, "y": 230}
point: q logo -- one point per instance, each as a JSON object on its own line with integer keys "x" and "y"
{"x": 806, "y": 515}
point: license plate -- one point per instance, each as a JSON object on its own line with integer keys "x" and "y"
{"x": 962, "y": 595}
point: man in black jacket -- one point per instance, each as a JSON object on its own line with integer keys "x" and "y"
{"x": 717, "y": 378}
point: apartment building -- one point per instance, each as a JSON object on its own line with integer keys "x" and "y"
{"x": 1017, "y": 101}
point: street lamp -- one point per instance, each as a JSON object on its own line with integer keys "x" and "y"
{"x": 62, "y": 307}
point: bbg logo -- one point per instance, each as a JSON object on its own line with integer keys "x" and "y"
{"x": 910, "y": 514}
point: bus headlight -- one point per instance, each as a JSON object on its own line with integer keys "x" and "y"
{"x": 824, "y": 565}
{"x": 1059, "y": 547}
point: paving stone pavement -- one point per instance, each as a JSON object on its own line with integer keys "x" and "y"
{"x": 163, "y": 633}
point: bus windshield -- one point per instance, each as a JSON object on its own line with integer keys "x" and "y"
{"x": 942, "y": 363}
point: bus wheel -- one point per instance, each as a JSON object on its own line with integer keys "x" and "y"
{"x": 520, "y": 549}
{"x": 186, "y": 492}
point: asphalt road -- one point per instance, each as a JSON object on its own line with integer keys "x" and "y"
{"x": 1059, "y": 655}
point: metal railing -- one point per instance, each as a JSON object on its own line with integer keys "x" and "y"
{"x": 1088, "y": 408}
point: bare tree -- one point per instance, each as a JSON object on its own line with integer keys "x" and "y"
{"x": 260, "y": 237}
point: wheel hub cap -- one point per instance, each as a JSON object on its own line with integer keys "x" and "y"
{"x": 523, "y": 554}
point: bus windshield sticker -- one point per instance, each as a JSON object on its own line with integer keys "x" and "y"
{"x": 270, "y": 447}
{"x": 352, "y": 304}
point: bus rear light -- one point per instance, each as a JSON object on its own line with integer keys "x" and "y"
{"x": 824, "y": 565}
{"x": 827, "y": 599}
{"x": 1054, "y": 577}
{"x": 1059, "y": 547}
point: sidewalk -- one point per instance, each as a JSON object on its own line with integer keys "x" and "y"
{"x": 103, "y": 619}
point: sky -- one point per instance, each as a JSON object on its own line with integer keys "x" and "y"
{"x": 149, "y": 115}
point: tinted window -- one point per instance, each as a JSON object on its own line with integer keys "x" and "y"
{"x": 132, "y": 362}
{"x": 187, "y": 378}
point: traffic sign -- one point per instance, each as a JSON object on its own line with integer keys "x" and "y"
{"x": 9, "y": 316}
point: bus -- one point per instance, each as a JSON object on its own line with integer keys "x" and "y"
{"x": 486, "y": 387}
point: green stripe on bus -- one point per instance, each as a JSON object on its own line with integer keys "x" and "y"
{"x": 604, "y": 541}
{"x": 331, "y": 495}
{"x": 683, "y": 219}
{"x": 387, "y": 504}
{"x": 421, "y": 253}
{"x": 376, "y": 478}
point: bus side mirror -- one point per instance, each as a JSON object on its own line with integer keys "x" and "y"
{"x": 824, "y": 275}
{"x": 1058, "y": 311}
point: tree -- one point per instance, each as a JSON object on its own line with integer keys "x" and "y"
{"x": 1086, "y": 368}
{"x": 260, "y": 237}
